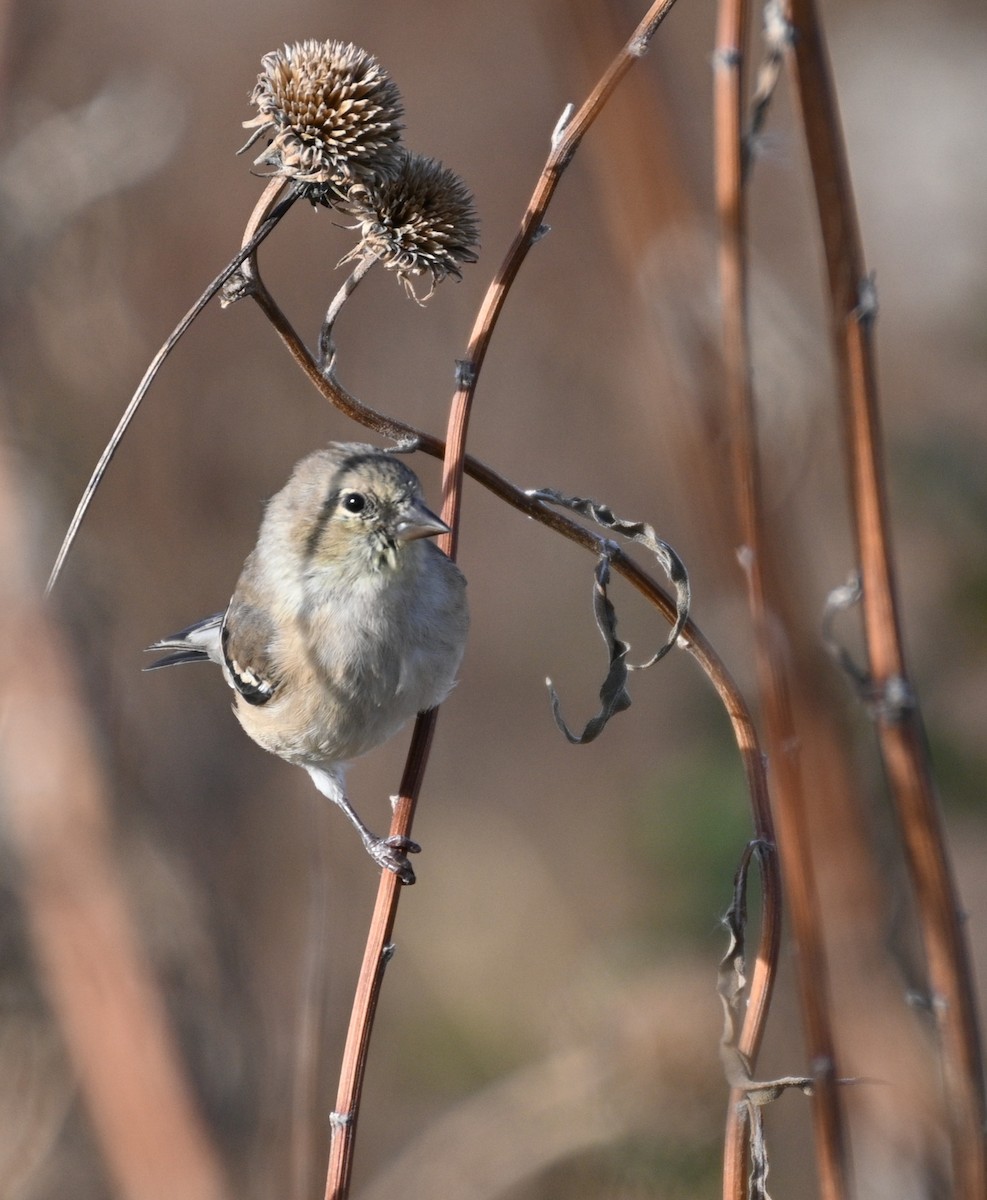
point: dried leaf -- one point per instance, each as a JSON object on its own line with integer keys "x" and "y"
{"x": 613, "y": 694}
{"x": 731, "y": 986}
{"x": 614, "y": 697}
{"x": 731, "y": 978}
{"x": 644, "y": 534}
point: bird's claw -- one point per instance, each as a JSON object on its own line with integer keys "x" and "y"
{"x": 404, "y": 844}
{"x": 392, "y": 854}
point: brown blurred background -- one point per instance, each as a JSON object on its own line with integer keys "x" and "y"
{"x": 549, "y": 1025}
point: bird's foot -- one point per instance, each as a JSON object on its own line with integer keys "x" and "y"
{"x": 392, "y": 854}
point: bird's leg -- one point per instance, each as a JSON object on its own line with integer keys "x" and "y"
{"x": 390, "y": 852}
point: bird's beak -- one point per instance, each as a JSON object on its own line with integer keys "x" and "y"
{"x": 417, "y": 521}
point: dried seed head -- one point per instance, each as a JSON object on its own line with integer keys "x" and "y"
{"x": 420, "y": 222}
{"x": 332, "y": 113}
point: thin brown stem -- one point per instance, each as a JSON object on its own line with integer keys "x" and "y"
{"x": 773, "y": 663}
{"x": 898, "y": 718}
{"x": 327, "y": 346}
{"x": 253, "y": 285}
{"x": 266, "y": 216}
{"x": 377, "y": 954}
{"x": 728, "y": 106}
{"x": 565, "y": 141}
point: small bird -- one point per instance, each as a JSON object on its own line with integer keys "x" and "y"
{"x": 345, "y": 622}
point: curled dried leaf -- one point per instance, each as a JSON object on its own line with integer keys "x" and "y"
{"x": 731, "y": 979}
{"x": 613, "y": 694}
{"x": 614, "y": 697}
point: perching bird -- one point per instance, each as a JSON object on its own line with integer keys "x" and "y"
{"x": 345, "y": 621}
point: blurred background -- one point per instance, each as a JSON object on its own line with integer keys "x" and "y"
{"x": 549, "y": 1025}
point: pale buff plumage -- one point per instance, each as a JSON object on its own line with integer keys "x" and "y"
{"x": 346, "y": 620}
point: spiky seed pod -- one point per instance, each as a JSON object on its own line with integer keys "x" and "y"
{"x": 332, "y": 113}
{"x": 420, "y": 222}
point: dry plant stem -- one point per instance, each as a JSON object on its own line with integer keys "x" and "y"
{"x": 100, "y": 987}
{"x": 260, "y": 228}
{"x": 772, "y": 661}
{"x": 565, "y": 142}
{"x": 327, "y": 349}
{"x": 728, "y": 107}
{"x": 337, "y": 395}
{"x": 276, "y": 189}
{"x": 375, "y": 959}
{"x": 728, "y": 94}
{"x": 899, "y": 723}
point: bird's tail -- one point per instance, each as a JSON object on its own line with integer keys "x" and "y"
{"x": 199, "y": 642}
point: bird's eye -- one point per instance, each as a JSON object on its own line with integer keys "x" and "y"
{"x": 355, "y": 502}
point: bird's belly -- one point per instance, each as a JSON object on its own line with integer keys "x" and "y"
{"x": 320, "y": 724}
{"x": 339, "y": 706}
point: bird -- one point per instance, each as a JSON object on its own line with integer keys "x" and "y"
{"x": 346, "y": 621}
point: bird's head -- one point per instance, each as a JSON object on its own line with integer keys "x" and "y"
{"x": 360, "y": 510}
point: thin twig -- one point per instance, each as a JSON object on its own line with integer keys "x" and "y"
{"x": 565, "y": 141}
{"x": 327, "y": 348}
{"x": 260, "y": 232}
{"x": 899, "y": 725}
{"x": 253, "y": 285}
{"x": 377, "y": 954}
{"x": 773, "y": 669}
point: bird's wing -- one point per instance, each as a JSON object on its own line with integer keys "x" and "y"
{"x": 199, "y": 642}
{"x": 248, "y": 634}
